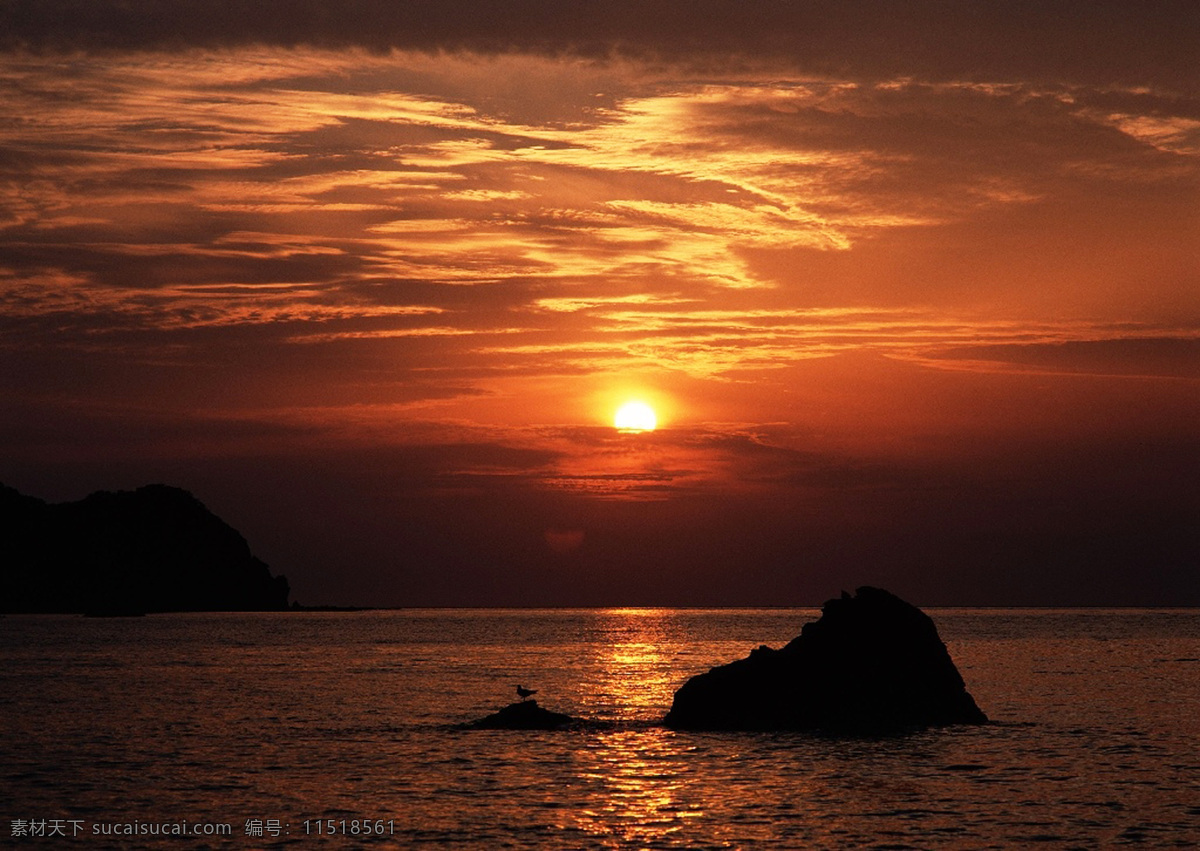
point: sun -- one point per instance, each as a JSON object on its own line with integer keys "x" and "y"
{"x": 635, "y": 416}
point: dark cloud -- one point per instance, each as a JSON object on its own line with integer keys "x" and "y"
{"x": 1099, "y": 42}
{"x": 113, "y": 267}
{"x": 1168, "y": 357}
{"x": 1034, "y": 521}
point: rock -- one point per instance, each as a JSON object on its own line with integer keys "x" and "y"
{"x": 525, "y": 715}
{"x": 870, "y": 663}
{"x": 156, "y": 549}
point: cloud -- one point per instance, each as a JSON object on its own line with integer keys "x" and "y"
{"x": 1143, "y": 356}
{"x": 1067, "y": 39}
{"x": 274, "y": 187}
{"x": 455, "y": 518}
{"x": 900, "y": 287}
{"x": 484, "y": 238}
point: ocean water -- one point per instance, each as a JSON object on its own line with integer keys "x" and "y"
{"x": 339, "y": 730}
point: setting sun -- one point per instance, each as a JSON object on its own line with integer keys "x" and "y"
{"x": 635, "y": 416}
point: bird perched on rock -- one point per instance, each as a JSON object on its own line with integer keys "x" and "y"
{"x": 523, "y": 692}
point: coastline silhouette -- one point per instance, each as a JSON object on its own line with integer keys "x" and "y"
{"x": 155, "y": 549}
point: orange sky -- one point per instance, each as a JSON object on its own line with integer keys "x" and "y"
{"x": 917, "y": 302}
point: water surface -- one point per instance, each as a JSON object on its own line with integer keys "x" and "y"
{"x": 253, "y": 720}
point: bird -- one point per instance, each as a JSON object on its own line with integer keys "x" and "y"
{"x": 523, "y": 692}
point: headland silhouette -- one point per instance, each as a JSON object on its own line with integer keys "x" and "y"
{"x": 155, "y": 549}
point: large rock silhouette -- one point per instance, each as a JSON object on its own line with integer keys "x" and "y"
{"x": 156, "y": 549}
{"x": 871, "y": 663}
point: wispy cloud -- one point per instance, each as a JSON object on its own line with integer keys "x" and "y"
{"x": 478, "y": 217}
{"x": 900, "y": 287}
{"x": 1092, "y": 42}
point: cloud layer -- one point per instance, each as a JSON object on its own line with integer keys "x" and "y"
{"x": 839, "y": 253}
{"x": 1068, "y": 40}
{"x": 619, "y": 216}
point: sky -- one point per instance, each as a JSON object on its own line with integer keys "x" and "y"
{"x": 914, "y": 295}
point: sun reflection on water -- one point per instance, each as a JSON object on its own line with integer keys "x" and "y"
{"x": 635, "y": 776}
{"x": 639, "y": 791}
{"x": 634, "y": 675}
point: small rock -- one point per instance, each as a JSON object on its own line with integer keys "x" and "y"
{"x": 524, "y": 715}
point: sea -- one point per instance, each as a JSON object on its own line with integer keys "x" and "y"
{"x": 345, "y": 730}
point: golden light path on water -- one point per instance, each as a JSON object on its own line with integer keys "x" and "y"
{"x": 645, "y": 789}
{"x": 642, "y": 772}
{"x": 640, "y": 783}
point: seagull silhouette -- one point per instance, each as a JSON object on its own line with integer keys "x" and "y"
{"x": 523, "y": 692}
